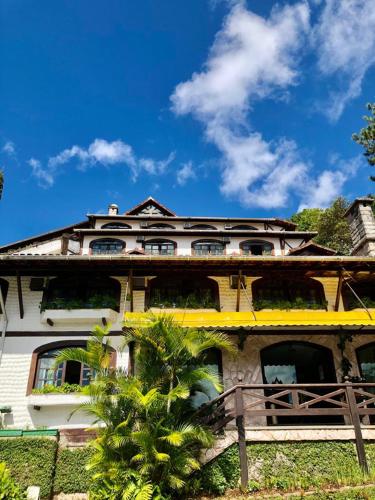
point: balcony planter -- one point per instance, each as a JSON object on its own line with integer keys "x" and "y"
{"x": 80, "y": 316}
{"x": 172, "y": 310}
{"x": 55, "y": 399}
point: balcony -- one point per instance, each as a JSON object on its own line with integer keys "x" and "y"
{"x": 87, "y": 316}
{"x": 38, "y": 401}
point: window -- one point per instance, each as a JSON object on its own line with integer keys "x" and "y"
{"x": 208, "y": 247}
{"x": 365, "y": 289}
{"x": 281, "y": 293}
{"x": 107, "y": 246}
{"x": 202, "y": 227}
{"x": 159, "y": 247}
{"x": 68, "y": 372}
{"x": 207, "y": 391}
{"x": 255, "y": 247}
{"x": 160, "y": 225}
{"x": 82, "y": 293}
{"x": 185, "y": 292}
{"x": 366, "y": 362}
{"x": 4, "y": 285}
{"x": 243, "y": 227}
{"x": 116, "y": 225}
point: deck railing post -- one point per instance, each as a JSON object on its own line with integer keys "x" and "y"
{"x": 241, "y": 438}
{"x": 361, "y": 453}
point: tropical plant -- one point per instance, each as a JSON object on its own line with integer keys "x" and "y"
{"x": 8, "y": 488}
{"x": 148, "y": 441}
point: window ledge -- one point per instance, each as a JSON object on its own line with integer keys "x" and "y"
{"x": 45, "y": 400}
{"x": 84, "y": 316}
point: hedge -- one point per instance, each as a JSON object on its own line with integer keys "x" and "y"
{"x": 71, "y": 475}
{"x": 287, "y": 466}
{"x": 30, "y": 461}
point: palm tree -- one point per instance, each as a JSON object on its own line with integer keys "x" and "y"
{"x": 150, "y": 442}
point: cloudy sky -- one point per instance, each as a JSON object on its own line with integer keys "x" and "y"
{"x": 213, "y": 107}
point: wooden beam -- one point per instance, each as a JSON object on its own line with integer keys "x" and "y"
{"x": 241, "y": 439}
{"x": 361, "y": 453}
{"x": 130, "y": 278}
{"x": 238, "y": 301}
{"x": 20, "y": 297}
{"x": 338, "y": 292}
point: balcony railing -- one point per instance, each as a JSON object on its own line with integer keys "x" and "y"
{"x": 243, "y": 403}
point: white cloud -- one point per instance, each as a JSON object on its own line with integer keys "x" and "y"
{"x": 185, "y": 173}
{"x": 9, "y": 148}
{"x": 344, "y": 38}
{"x": 45, "y": 178}
{"x": 99, "y": 152}
{"x": 254, "y": 58}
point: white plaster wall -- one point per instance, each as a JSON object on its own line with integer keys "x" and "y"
{"x": 47, "y": 247}
{"x": 31, "y": 300}
{"x": 14, "y": 376}
{"x": 184, "y": 242}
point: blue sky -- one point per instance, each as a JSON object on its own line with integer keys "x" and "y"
{"x": 228, "y": 108}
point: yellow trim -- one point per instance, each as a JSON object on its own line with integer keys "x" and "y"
{"x": 262, "y": 318}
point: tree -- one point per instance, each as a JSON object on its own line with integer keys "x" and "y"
{"x": 150, "y": 442}
{"x": 366, "y": 136}
{"x": 307, "y": 219}
{"x": 330, "y": 223}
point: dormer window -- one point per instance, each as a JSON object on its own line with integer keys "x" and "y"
{"x": 202, "y": 227}
{"x": 256, "y": 247}
{"x": 116, "y": 225}
{"x": 107, "y": 246}
{"x": 160, "y": 225}
{"x": 243, "y": 227}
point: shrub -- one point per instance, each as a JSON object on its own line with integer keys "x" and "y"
{"x": 30, "y": 461}
{"x": 8, "y": 489}
{"x": 71, "y": 475}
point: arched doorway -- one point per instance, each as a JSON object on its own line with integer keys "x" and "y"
{"x": 297, "y": 362}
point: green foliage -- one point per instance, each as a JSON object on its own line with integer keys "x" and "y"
{"x": 331, "y": 225}
{"x": 60, "y": 389}
{"x": 103, "y": 301}
{"x": 8, "y": 488}
{"x": 196, "y": 300}
{"x": 307, "y": 219}
{"x": 30, "y": 461}
{"x": 150, "y": 443}
{"x": 366, "y": 136}
{"x": 71, "y": 475}
{"x": 298, "y": 303}
{"x": 288, "y": 466}
{"x": 353, "y": 302}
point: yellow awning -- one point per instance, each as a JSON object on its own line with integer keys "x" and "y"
{"x": 274, "y": 318}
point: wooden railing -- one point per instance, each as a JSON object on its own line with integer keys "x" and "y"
{"x": 242, "y": 403}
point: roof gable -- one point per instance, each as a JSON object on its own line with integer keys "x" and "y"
{"x": 312, "y": 248}
{"x": 150, "y": 207}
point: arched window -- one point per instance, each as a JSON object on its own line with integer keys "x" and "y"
{"x": 159, "y": 247}
{"x": 207, "y": 391}
{"x": 160, "y": 225}
{"x": 364, "y": 289}
{"x": 4, "y": 285}
{"x": 208, "y": 247}
{"x": 187, "y": 292}
{"x": 243, "y": 227}
{"x": 107, "y": 246}
{"x": 283, "y": 293}
{"x": 256, "y": 247}
{"x": 116, "y": 225}
{"x": 295, "y": 362}
{"x": 366, "y": 362}
{"x": 68, "y": 372}
{"x": 202, "y": 227}
{"x": 81, "y": 293}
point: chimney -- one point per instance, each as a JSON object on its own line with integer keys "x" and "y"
{"x": 362, "y": 226}
{"x": 113, "y": 209}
